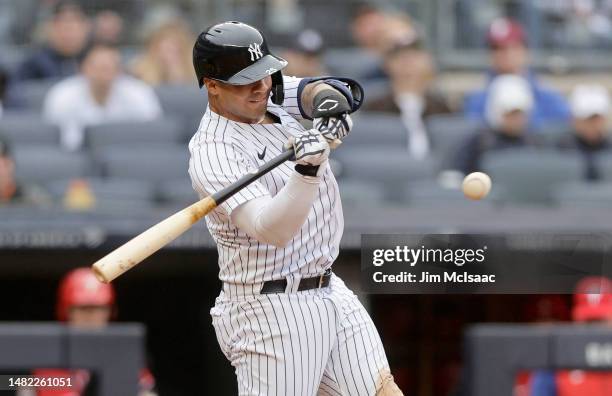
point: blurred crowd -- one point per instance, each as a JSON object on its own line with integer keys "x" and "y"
{"x": 85, "y": 78}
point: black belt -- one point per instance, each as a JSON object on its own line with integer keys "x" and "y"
{"x": 280, "y": 285}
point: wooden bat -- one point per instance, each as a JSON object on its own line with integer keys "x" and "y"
{"x": 150, "y": 241}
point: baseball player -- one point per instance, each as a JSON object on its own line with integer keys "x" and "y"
{"x": 287, "y": 324}
{"x": 83, "y": 302}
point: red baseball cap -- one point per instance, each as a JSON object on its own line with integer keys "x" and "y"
{"x": 81, "y": 287}
{"x": 593, "y": 299}
{"x": 504, "y": 31}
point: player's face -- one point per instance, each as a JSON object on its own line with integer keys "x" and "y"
{"x": 242, "y": 103}
{"x": 90, "y": 317}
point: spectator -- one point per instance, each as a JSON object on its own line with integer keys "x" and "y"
{"x": 84, "y": 302}
{"x": 366, "y": 27}
{"x": 67, "y": 33}
{"x": 377, "y": 32}
{"x": 107, "y": 28}
{"x": 11, "y": 191}
{"x": 509, "y": 55}
{"x": 413, "y": 96}
{"x": 509, "y": 104}
{"x": 168, "y": 57}
{"x": 304, "y": 56}
{"x": 100, "y": 94}
{"x": 592, "y": 304}
{"x": 590, "y": 105}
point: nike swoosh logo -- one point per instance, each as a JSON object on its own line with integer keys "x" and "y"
{"x": 263, "y": 154}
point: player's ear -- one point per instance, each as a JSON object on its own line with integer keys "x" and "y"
{"x": 211, "y": 86}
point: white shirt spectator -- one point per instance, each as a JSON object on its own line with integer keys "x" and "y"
{"x": 71, "y": 105}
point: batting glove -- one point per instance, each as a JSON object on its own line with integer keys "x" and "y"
{"x": 311, "y": 150}
{"x": 334, "y": 129}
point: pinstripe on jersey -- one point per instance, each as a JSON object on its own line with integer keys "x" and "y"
{"x": 314, "y": 342}
{"x": 223, "y": 150}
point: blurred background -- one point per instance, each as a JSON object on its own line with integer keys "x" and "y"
{"x": 98, "y": 100}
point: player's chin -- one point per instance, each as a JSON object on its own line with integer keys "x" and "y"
{"x": 258, "y": 107}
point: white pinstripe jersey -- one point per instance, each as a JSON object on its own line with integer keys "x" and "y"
{"x": 221, "y": 152}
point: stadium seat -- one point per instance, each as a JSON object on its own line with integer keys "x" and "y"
{"x": 186, "y": 103}
{"x": 163, "y": 130}
{"x": 154, "y": 163}
{"x": 33, "y": 93}
{"x": 12, "y": 56}
{"x": 584, "y": 195}
{"x": 42, "y": 164}
{"x": 376, "y": 88}
{"x": 390, "y": 169}
{"x": 350, "y": 62}
{"x": 528, "y": 175}
{"x": 27, "y": 128}
{"x": 359, "y": 191}
{"x": 604, "y": 163}
{"x": 109, "y": 189}
{"x": 177, "y": 192}
{"x": 448, "y": 131}
{"x": 430, "y": 193}
{"x": 551, "y": 132}
{"x": 378, "y": 129}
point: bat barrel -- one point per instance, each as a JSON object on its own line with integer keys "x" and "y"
{"x": 143, "y": 245}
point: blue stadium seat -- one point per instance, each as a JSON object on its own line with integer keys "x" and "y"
{"x": 178, "y": 192}
{"x": 584, "y": 195}
{"x": 350, "y": 62}
{"x": 27, "y": 128}
{"x": 33, "y": 93}
{"x": 374, "y": 129}
{"x": 447, "y": 132}
{"x": 134, "y": 133}
{"x": 355, "y": 191}
{"x": 109, "y": 189}
{"x": 604, "y": 163}
{"x": 529, "y": 176}
{"x": 390, "y": 169}
{"x": 154, "y": 163}
{"x": 42, "y": 164}
{"x": 430, "y": 193}
{"x": 186, "y": 103}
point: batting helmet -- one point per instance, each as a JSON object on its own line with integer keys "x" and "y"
{"x": 593, "y": 299}
{"x": 80, "y": 287}
{"x": 237, "y": 54}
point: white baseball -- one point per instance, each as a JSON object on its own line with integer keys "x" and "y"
{"x": 476, "y": 185}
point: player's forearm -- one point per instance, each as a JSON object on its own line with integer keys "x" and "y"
{"x": 277, "y": 220}
{"x": 308, "y": 94}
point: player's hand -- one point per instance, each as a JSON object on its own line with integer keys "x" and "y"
{"x": 334, "y": 129}
{"x": 310, "y": 148}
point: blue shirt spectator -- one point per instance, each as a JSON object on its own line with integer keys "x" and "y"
{"x": 509, "y": 55}
{"x": 548, "y": 107}
{"x": 67, "y": 33}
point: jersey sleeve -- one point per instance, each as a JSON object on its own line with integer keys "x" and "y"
{"x": 215, "y": 164}
{"x": 293, "y": 90}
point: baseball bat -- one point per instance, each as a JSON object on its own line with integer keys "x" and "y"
{"x": 145, "y": 244}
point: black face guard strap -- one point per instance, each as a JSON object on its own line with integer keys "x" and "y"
{"x": 278, "y": 91}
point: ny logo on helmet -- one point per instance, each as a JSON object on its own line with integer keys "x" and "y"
{"x": 255, "y": 51}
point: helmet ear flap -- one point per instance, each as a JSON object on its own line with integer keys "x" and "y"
{"x": 278, "y": 91}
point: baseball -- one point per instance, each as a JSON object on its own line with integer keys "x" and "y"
{"x": 476, "y": 185}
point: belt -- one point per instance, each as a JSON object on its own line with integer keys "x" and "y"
{"x": 280, "y": 285}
